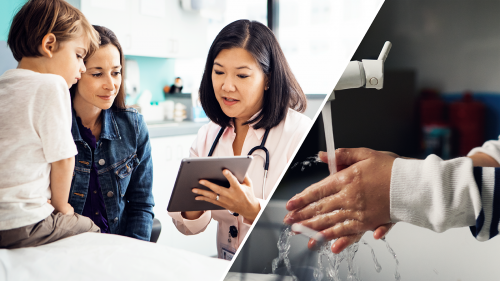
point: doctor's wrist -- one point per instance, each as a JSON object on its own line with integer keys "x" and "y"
{"x": 192, "y": 215}
{"x": 252, "y": 213}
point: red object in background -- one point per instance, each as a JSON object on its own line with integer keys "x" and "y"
{"x": 435, "y": 129}
{"x": 432, "y": 108}
{"x": 467, "y": 119}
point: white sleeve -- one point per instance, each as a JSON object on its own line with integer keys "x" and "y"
{"x": 434, "y": 194}
{"x": 491, "y": 148}
{"x": 52, "y": 120}
{"x": 191, "y": 227}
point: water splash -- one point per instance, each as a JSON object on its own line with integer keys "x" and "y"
{"x": 284, "y": 249}
{"x": 397, "y": 276}
{"x": 308, "y": 162}
{"x": 378, "y": 267}
{"x": 333, "y": 261}
{"x": 328, "y": 262}
{"x": 318, "y": 272}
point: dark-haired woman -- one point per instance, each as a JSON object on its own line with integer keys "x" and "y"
{"x": 248, "y": 91}
{"x": 112, "y": 182}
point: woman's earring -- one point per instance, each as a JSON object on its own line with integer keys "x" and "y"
{"x": 267, "y": 88}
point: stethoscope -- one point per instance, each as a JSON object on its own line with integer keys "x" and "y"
{"x": 261, "y": 147}
{"x": 233, "y": 231}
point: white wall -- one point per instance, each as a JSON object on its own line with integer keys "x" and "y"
{"x": 453, "y": 45}
{"x": 318, "y": 38}
{"x": 167, "y": 155}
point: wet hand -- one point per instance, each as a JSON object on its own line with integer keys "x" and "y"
{"x": 238, "y": 198}
{"x": 346, "y": 204}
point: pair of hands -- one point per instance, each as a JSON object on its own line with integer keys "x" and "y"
{"x": 238, "y": 198}
{"x": 345, "y": 205}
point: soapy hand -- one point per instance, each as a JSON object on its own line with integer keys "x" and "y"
{"x": 350, "y": 202}
{"x": 238, "y": 198}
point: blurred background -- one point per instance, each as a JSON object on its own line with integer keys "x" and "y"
{"x": 441, "y": 96}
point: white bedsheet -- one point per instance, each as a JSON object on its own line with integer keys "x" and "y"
{"x": 93, "y": 256}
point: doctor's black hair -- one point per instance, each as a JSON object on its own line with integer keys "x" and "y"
{"x": 284, "y": 91}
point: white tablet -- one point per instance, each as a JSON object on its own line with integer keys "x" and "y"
{"x": 208, "y": 168}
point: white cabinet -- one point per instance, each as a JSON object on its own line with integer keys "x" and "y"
{"x": 153, "y": 28}
{"x": 167, "y": 153}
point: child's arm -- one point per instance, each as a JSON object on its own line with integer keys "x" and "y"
{"x": 60, "y": 183}
{"x": 481, "y": 159}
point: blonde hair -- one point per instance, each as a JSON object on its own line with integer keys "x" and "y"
{"x": 38, "y": 18}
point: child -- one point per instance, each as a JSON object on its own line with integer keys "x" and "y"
{"x": 49, "y": 39}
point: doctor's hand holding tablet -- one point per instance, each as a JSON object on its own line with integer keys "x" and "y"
{"x": 254, "y": 102}
{"x": 238, "y": 197}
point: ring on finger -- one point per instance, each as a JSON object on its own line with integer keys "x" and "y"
{"x": 217, "y": 198}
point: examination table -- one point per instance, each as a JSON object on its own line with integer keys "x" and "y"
{"x": 93, "y": 256}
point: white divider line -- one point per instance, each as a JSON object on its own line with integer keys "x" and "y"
{"x": 361, "y": 29}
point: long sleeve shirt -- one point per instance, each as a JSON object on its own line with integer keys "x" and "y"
{"x": 281, "y": 143}
{"x": 440, "y": 195}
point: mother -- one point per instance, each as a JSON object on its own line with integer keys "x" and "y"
{"x": 112, "y": 181}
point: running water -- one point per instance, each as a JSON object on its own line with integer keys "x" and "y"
{"x": 329, "y": 262}
{"x": 333, "y": 261}
{"x": 330, "y": 144}
{"x": 325, "y": 255}
{"x": 307, "y": 163}
{"x": 284, "y": 249}
{"x": 397, "y": 277}
{"x": 378, "y": 268}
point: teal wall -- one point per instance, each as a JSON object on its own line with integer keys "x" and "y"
{"x": 8, "y": 8}
{"x": 155, "y": 73}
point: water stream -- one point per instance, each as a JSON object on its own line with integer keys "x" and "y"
{"x": 328, "y": 261}
{"x": 397, "y": 276}
{"x": 284, "y": 250}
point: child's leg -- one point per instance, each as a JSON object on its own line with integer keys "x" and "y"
{"x": 53, "y": 228}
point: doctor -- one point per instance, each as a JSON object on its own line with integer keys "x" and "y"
{"x": 253, "y": 100}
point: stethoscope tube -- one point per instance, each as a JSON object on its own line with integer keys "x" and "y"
{"x": 232, "y": 229}
{"x": 216, "y": 141}
{"x": 261, "y": 147}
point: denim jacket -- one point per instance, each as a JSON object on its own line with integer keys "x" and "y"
{"x": 125, "y": 171}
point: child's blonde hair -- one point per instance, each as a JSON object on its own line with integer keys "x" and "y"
{"x": 38, "y": 18}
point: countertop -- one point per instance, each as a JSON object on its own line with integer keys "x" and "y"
{"x": 171, "y": 128}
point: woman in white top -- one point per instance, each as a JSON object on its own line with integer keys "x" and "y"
{"x": 247, "y": 89}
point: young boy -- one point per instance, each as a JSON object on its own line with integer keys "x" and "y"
{"x": 49, "y": 39}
